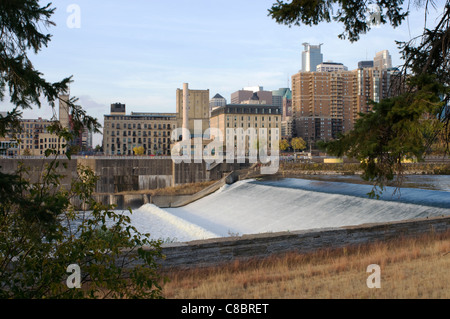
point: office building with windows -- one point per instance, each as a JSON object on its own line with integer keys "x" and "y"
{"x": 245, "y": 116}
{"x": 123, "y": 133}
{"x": 311, "y": 57}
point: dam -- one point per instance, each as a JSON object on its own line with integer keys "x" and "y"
{"x": 258, "y": 206}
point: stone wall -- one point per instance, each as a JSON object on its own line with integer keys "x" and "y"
{"x": 221, "y": 250}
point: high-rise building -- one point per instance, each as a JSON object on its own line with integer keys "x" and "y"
{"x": 382, "y": 60}
{"x": 311, "y": 57}
{"x": 327, "y": 103}
{"x": 319, "y": 101}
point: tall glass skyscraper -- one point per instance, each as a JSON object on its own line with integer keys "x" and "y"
{"x": 311, "y": 57}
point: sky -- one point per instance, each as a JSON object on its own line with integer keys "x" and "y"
{"x": 138, "y": 52}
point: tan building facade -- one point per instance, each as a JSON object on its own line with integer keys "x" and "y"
{"x": 198, "y": 108}
{"x": 245, "y": 116}
{"x": 328, "y": 103}
{"x": 34, "y": 138}
{"x": 123, "y": 133}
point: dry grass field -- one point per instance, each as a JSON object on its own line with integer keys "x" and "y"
{"x": 184, "y": 189}
{"x": 409, "y": 268}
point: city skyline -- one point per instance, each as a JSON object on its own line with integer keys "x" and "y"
{"x": 140, "y": 53}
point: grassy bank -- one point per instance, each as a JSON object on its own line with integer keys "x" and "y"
{"x": 184, "y": 189}
{"x": 292, "y": 169}
{"x": 410, "y": 268}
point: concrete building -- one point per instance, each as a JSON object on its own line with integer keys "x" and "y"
{"x": 331, "y": 67}
{"x": 287, "y": 128}
{"x": 282, "y": 98}
{"x": 84, "y": 141}
{"x": 122, "y": 132}
{"x": 252, "y": 95}
{"x": 9, "y": 147}
{"x": 382, "y": 60}
{"x": 192, "y": 105}
{"x": 319, "y": 100}
{"x": 311, "y": 57}
{"x": 365, "y": 64}
{"x": 327, "y": 103}
{"x": 118, "y": 108}
{"x": 255, "y": 100}
{"x": 64, "y": 110}
{"x": 233, "y": 116}
{"x": 216, "y": 101}
{"x": 33, "y": 138}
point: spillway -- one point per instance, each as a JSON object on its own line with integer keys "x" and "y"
{"x": 250, "y": 207}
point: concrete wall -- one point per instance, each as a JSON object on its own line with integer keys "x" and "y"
{"x": 221, "y": 250}
{"x": 35, "y": 167}
{"x": 127, "y": 174}
{"x": 122, "y": 175}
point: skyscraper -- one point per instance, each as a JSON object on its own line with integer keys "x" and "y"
{"x": 311, "y": 57}
{"x": 382, "y": 60}
{"x": 327, "y": 103}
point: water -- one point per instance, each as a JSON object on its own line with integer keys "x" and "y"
{"x": 250, "y": 207}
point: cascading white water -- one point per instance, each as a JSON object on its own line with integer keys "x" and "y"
{"x": 167, "y": 227}
{"x": 249, "y": 207}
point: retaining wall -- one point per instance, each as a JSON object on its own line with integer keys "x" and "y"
{"x": 121, "y": 175}
{"x": 221, "y": 250}
{"x": 35, "y": 167}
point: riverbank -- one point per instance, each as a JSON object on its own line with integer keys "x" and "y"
{"x": 410, "y": 268}
{"x": 291, "y": 169}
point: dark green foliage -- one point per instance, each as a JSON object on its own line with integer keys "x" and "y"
{"x": 406, "y": 126}
{"x": 41, "y": 232}
{"x": 397, "y": 130}
{"x": 351, "y": 13}
{"x": 21, "y": 23}
{"x": 41, "y": 235}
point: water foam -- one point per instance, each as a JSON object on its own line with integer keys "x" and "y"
{"x": 163, "y": 225}
{"x": 251, "y": 207}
